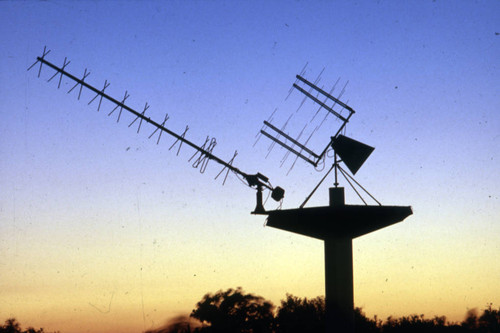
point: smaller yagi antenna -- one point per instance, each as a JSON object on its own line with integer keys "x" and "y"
{"x": 349, "y": 151}
{"x": 203, "y": 154}
{"x": 296, "y": 147}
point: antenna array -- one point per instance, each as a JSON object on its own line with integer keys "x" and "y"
{"x": 203, "y": 154}
{"x": 293, "y": 145}
{"x": 352, "y": 153}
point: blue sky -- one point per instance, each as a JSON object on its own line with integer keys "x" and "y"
{"x": 91, "y": 211}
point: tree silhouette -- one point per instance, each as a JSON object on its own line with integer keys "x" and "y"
{"x": 301, "y": 315}
{"x": 363, "y": 324}
{"x": 178, "y": 324}
{"x": 471, "y": 319}
{"x": 416, "y": 323}
{"x": 13, "y": 326}
{"x": 308, "y": 315}
{"x": 490, "y": 319}
{"x": 234, "y": 311}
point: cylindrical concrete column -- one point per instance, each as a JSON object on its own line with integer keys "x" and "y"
{"x": 338, "y": 276}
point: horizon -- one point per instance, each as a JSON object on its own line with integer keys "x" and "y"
{"x": 102, "y": 226}
{"x": 472, "y": 318}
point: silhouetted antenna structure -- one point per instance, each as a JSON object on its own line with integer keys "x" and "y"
{"x": 203, "y": 154}
{"x": 293, "y": 145}
{"x": 351, "y": 152}
{"x": 338, "y": 223}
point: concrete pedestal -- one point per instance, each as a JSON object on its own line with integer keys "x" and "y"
{"x": 338, "y": 277}
{"x": 337, "y": 224}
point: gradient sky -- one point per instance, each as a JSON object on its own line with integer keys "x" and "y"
{"x": 101, "y": 230}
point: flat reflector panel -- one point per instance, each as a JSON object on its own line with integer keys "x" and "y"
{"x": 353, "y": 153}
{"x": 340, "y": 221}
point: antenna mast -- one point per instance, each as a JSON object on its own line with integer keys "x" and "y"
{"x": 338, "y": 223}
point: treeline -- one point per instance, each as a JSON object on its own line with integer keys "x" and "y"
{"x": 233, "y": 311}
{"x": 13, "y": 326}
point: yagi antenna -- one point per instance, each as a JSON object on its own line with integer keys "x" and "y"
{"x": 349, "y": 151}
{"x": 203, "y": 154}
{"x": 311, "y": 157}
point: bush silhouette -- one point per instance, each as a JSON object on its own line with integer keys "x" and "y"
{"x": 234, "y": 311}
{"x": 300, "y": 315}
{"x": 13, "y": 326}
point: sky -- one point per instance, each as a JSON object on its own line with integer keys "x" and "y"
{"x": 103, "y": 230}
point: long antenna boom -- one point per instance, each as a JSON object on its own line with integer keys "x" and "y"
{"x": 257, "y": 181}
{"x": 143, "y": 117}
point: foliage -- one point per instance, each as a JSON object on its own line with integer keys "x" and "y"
{"x": 179, "y": 324}
{"x": 471, "y": 319}
{"x": 234, "y": 311}
{"x": 414, "y": 323}
{"x": 490, "y": 319}
{"x": 297, "y": 314}
{"x": 363, "y": 324}
{"x": 12, "y": 326}
{"x": 300, "y": 315}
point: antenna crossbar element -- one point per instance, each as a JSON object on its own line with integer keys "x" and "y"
{"x": 101, "y": 93}
{"x": 321, "y": 91}
{"x": 345, "y": 120}
{"x": 329, "y": 109}
{"x": 284, "y": 145}
{"x": 295, "y": 142}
